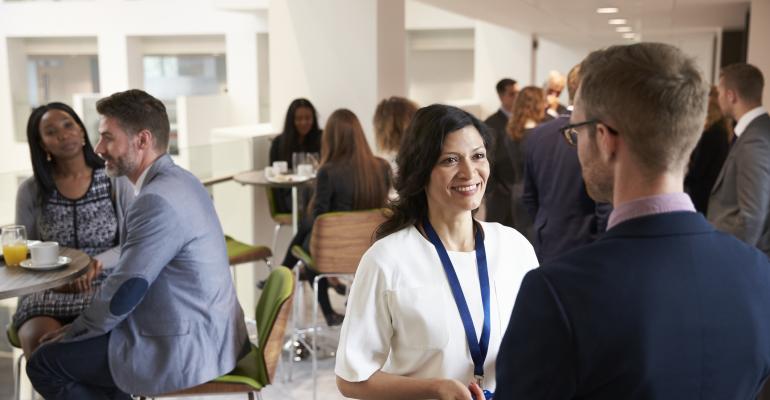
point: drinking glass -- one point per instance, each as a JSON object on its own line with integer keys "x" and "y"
{"x": 14, "y": 240}
{"x": 297, "y": 159}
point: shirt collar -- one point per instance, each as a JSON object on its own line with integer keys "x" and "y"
{"x": 140, "y": 182}
{"x": 658, "y": 204}
{"x": 746, "y": 119}
{"x": 507, "y": 114}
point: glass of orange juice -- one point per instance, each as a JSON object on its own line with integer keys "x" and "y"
{"x": 14, "y": 241}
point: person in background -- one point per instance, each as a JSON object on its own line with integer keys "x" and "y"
{"x": 553, "y": 88}
{"x": 167, "y": 318}
{"x": 528, "y": 112}
{"x": 662, "y": 306}
{"x": 709, "y": 155}
{"x": 300, "y": 134}
{"x": 69, "y": 200}
{"x": 564, "y": 216}
{"x": 740, "y": 200}
{"x": 391, "y": 120}
{"x": 407, "y": 334}
{"x": 350, "y": 178}
{"x": 499, "y": 186}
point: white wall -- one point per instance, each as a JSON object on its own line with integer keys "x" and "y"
{"x": 440, "y": 65}
{"x": 759, "y": 50}
{"x": 499, "y": 53}
{"x": 699, "y": 45}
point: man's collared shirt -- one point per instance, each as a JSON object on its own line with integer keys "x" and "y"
{"x": 746, "y": 119}
{"x": 506, "y": 112}
{"x": 140, "y": 181}
{"x": 658, "y": 204}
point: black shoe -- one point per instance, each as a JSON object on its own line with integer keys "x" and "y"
{"x": 334, "y": 319}
{"x": 261, "y": 284}
{"x": 340, "y": 288}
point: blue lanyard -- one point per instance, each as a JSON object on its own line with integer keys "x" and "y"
{"x": 478, "y": 348}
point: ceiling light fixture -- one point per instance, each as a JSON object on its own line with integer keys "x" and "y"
{"x": 623, "y": 29}
{"x": 629, "y": 36}
{"x": 617, "y": 21}
{"x": 607, "y": 10}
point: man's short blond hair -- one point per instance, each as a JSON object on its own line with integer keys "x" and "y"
{"x": 653, "y": 95}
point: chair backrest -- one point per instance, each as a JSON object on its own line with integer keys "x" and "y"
{"x": 272, "y": 316}
{"x": 279, "y": 217}
{"x": 339, "y": 239}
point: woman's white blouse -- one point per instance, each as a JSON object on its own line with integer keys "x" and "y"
{"x": 402, "y": 319}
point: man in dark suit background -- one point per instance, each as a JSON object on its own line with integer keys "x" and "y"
{"x": 662, "y": 306}
{"x": 565, "y": 217}
{"x": 496, "y": 211}
{"x": 740, "y": 199}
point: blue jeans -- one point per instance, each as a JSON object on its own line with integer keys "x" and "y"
{"x": 78, "y": 370}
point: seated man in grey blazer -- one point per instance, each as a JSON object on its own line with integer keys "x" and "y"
{"x": 740, "y": 199}
{"x": 168, "y": 317}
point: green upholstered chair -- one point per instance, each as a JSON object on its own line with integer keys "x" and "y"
{"x": 280, "y": 219}
{"x": 257, "y": 369}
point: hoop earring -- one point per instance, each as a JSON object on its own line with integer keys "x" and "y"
{"x": 48, "y": 156}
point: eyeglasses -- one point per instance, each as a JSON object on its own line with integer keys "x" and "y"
{"x": 570, "y": 131}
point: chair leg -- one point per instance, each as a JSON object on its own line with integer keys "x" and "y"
{"x": 314, "y": 329}
{"x": 17, "y": 376}
{"x": 276, "y": 230}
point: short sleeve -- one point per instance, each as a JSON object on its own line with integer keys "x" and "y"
{"x": 367, "y": 330}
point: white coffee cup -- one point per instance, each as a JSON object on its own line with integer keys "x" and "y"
{"x": 305, "y": 170}
{"x": 44, "y": 253}
{"x": 269, "y": 172}
{"x": 281, "y": 167}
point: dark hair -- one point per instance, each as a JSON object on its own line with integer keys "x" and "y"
{"x": 746, "y": 80}
{"x": 417, "y": 157}
{"x": 136, "y": 110}
{"x": 504, "y": 83}
{"x": 40, "y": 166}
{"x": 290, "y": 140}
{"x": 344, "y": 143}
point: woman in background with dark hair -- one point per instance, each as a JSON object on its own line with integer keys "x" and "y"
{"x": 350, "y": 178}
{"x": 300, "y": 135}
{"x": 437, "y": 280}
{"x": 709, "y": 155}
{"x": 70, "y": 200}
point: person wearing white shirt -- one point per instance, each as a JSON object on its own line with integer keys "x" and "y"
{"x": 432, "y": 297}
{"x": 740, "y": 199}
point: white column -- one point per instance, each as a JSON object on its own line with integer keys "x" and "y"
{"x": 337, "y": 54}
{"x": 498, "y": 53}
{"x": 14, "y": 105}
{"x": 243, "y": 76}
{"x": 759, "y": 50}
{"x": 120, "y": 63}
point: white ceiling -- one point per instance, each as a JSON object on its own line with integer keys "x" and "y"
{"x": 577, "y": 20}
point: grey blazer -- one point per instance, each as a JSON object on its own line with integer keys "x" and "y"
{"x": 740, "y": 200}
{"x": 170, "y": 304}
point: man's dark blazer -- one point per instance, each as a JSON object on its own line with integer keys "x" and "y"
{"x": 499, "y": 188}
{"x": 660, "y": 307}
{"x": 565, "y": 217}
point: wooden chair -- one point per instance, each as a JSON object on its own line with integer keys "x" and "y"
{"x": 337, "y": 243}
{"x": 257, "y": 369}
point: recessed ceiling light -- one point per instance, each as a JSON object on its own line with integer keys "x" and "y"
{"x": 607, "y": 10}
{"x": 617, "y": 21}
{"x": 622, "y": 29}
{"x": 629, "y": 35}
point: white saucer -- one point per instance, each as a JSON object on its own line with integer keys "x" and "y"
{"x": 288, "y": 178}
{"x": 63, "y": 260}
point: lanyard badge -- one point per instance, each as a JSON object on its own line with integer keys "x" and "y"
{"x": 478, "y": 348}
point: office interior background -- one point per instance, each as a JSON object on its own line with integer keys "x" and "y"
{"x": 228, "y": 69}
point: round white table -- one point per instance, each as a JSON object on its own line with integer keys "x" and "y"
{"x": 258, "y": 178}
{"x": 17, "y": 281}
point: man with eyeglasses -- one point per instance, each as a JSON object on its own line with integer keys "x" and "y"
{"x": 564, "y": 216}
{"x": 662, "y": 306}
